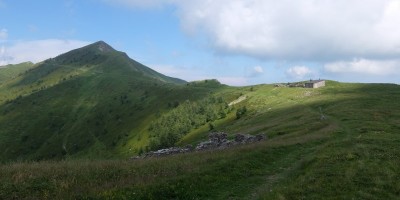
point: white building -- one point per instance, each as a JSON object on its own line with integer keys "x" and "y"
{"x": 314, "y": 84}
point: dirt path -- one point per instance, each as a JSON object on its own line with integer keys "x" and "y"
{"x": 240, "y": 99}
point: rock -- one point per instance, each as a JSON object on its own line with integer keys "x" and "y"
{"x": 205, "y": 145}
{"x": 261, "y": 137}
{"x": 168, "y": 151}
{"x": 245, "y": 138}
{"x": 239, "y": 138}
{"x": 227, "y": 144}
{"x": 220, "y": 141}
{"x": 217, "y": 140}
{"x": 189, "y": 146}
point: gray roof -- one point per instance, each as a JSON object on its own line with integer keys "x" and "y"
{"x": 314, "y": 81}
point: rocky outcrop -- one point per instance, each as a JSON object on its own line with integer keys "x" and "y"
{"x": 220, "y": 141}
{"x": 216, "y": 140}
{"x": 244, "y": 138}
{"x": 168, "y": 151}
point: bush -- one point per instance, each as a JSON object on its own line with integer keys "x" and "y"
{"x": 240, "y": 112}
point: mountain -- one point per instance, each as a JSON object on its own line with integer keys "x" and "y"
{"x": 90, "y": 102}
{"x": 100, "y": 52}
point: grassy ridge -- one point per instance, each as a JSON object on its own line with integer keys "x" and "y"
{"x": 353, "y": 153}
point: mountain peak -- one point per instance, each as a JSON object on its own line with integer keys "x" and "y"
{"x": 87, "y": 54}
{"x": 102, "y": 46}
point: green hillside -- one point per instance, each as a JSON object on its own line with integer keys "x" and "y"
{"x": 95, "y": 111}
{"x": 8, "y": 72}
{"x": 352, "y": 154}
{"x": 93, "y": 102}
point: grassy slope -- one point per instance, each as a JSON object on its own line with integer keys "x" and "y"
{"x": 352, "y": 154}
{"x": 85, "y": 104}
{"x": 11, "y": 71}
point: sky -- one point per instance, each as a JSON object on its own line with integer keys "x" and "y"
{"x": 238, "y": 42}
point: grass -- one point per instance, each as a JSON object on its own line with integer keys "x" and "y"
{"x": 9, "y": 72}
{"x": 357, "y": 168}
{"x": 352, "y": 154}
{"x": 222, "y": 175}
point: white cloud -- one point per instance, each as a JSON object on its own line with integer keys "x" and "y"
{"x": 233, "y": 81}
{"x": 3, "y": 58}
{"x": 298, "y": 72}
{"x": 3, "y": 34}
{"x": 193, "y": 74}
{"x": 185, "y": 73}
{"x": 37, "y": 50}
{"x": 258, "y": 69}
{"x": 255, "y": 71}
{"x": 365, "y": 66}
{"x": 306, "y": 29}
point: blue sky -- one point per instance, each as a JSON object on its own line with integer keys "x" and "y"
{"x": 238, "y": 42}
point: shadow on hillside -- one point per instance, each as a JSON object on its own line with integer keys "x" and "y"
{"x": 350, "y": 108}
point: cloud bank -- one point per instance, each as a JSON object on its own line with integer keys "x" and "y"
{"x": 366, "y": 67}
{"x": 299, "y": 30}
{"x": 193, "y": 74}
{"x": 303, "y": 29}
{"x": 358, "y": 36}
{"x": 37, "y": 50}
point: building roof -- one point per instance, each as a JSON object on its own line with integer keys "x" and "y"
{"x": 314, "y": 81}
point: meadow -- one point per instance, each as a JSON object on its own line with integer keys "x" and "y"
{"x": 352, "y": 153}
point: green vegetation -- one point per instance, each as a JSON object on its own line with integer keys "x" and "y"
{"x": 87, "y": 103}
{"x": 206, "y": 175}
{"x": 240, "y": 112}
{"x": 106, "y": 111}
{"x": 171, "y": 127}
{"x": 9, "y": 72}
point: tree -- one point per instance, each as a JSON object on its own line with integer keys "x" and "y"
{"x": 211, "y": 126}
{"x": 240, "y": 112}
{"x": 222, "y": 113}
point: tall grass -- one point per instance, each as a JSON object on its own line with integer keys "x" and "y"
{"x": 213, "y": 174}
